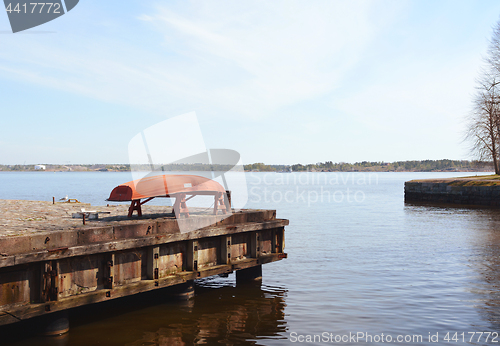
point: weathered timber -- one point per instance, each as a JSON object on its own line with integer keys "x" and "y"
{"x": 249, "y": 275}
{"x": 60, "y": 264}
{"x": 91, "y": 248}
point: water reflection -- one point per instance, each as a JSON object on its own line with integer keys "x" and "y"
{"x": 487, "y": 266}
{"x": 472, "y": 237}
{"x": 221, "y": 313}
{"x": 224, "y": 314}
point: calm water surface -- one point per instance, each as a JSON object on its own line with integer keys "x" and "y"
{"x": 359, "y": 261}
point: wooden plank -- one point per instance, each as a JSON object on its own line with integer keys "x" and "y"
{"x": 7, "y": 318}
{"x": 109, "y": 271}
{"x": 32, "y": 310}
{"x": 127, "y": 266}
{"x": 280, "y": 238}
{"x": 192, "y": 256}
{"x": 55, "y": 279}
{"x": 225, "y": 256}
{"x": 172, "y": 258}
{"x": 61, "y": 232}
{"x": 6, "y": 261}
{"x": 144, "y": 241}
{"x": 45, "y": 268}
{"x": 153, "y": 260}
{"x": 208, "y": 252}
{"x": 14, "y": 288}
{"x": 255, "y": 244}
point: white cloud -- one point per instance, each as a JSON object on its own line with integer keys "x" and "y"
{"x": 248, "y": 59}
{"x": 268, "y": 55}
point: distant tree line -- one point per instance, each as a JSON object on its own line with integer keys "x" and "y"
{"x": 119, "y": 167}
{"x": 398, "y": 166}
{"x": 327, "y": 166}
{"x": 261, "y": 167}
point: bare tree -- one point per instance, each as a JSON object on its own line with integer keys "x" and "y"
{"x": 493, "y": 58}
{"x": 483, "y": 123}
{"x": 483, "y": 129}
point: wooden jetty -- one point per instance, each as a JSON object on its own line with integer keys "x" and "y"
{"x": 51, "y": 262}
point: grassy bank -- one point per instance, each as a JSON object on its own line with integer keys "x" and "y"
{"x": 476, "y": 180}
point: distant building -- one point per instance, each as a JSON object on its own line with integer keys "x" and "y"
{"x": 40, "y": 167}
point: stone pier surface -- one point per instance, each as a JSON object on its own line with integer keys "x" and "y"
{"x": 50, "y": 261}
{"x": 467, "y": 191}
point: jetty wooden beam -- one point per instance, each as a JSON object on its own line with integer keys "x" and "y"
{"x": 59, "y": 265}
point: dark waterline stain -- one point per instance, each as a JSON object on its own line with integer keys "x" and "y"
{"x": 220, "y": 313}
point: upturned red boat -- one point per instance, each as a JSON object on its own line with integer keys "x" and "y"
{"x": 180, "y": 187}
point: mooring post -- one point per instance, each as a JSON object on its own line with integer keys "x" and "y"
{"x": 278, "y": 240}
{"x": 153, "y": 270}
{"x": 192, "y": 256}
{"x": 228, "y": 200}
{"x": 109, "y": 272}
{"x": 55, "y": 323}
{"x": 255, "y": 244}
{"x": 252, "y": 274}
{"x": 183, "y": 291}
{"x": 225, "y": 249}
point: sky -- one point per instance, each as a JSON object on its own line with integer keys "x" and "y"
{"x": 281, "y": 82}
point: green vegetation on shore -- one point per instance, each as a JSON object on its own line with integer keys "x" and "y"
{"x": 327, "y": 166}
{"x": 365, "y": 166}
{"x": 475, "y": 183}
{"x": 478, "y": 180}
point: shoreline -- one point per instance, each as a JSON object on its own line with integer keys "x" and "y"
{"x": 481, "y": 191}
{"x": 444, "y": 165}
{"x": 252, "y": 171}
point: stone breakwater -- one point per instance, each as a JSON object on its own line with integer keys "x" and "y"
{"x": 458, "y": 191}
